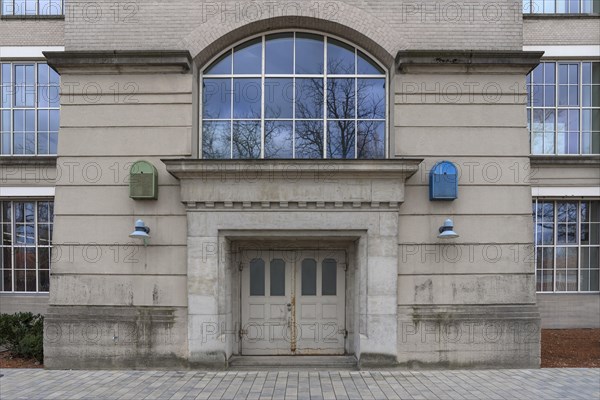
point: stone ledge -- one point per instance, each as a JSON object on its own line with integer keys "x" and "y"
{"x": 318, "y": 184}
{"x": 550, "y": 160}
{"x": 32, "y": 17}
{"x": 120, "y": 61}
{"x": 559, "y": 16}
{"x": 27, "y": 161}
{"x": 416, "y": 60}
{"x": 186, "y": 168}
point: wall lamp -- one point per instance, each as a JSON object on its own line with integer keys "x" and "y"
{"x": 141, "y": 231}
{"x": 447, "y": 230}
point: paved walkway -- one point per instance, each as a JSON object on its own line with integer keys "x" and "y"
{"x": 539, "y": 384}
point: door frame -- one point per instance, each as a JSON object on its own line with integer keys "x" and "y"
{"x": 240, "y": 245}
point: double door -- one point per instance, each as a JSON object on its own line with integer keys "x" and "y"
{"x": 293, "y": 302}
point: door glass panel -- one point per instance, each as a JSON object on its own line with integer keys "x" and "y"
{"x": 257, "y": 277}
{"x": 309, "y": 277}
{"x": 277, "y": 277}
{"x": 329, "y": 278}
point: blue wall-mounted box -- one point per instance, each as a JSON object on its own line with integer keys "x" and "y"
{"x": 443, "y": 181}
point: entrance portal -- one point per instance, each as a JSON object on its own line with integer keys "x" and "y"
{"x": 293, "y": 302}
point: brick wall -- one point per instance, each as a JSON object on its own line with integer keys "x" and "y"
{"x": 32, "y": 32}
{"x": 395, "y": 24}
{"x": 561, "y": 31}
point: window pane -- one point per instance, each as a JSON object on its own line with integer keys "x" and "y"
{"x": 54, "y": 120}
{"x": 278, "y": 139}
{"x": 309, "y": 53}
{"x": 44, "y": 280}
{"x": 54, "y": 77}
{"x": 371, "y": 140}
{"x": 6, "y": 231}
{"x": 371, "y": 98}
{"x": 217, "y": 98}
{"x": 594, "y": 280}
{"x": 7, "y": 277}
{"x": 277, "y": 276}
{"x": 247, "y": 57}
{"x": 247, "y": 98}
{"x": 246, "y": 139}
{"x": 341, "y": 139}
{"x": 341, "y": 98}
{"x": 43, "y": 77}
{"x": 31, "y": 280}
{"x": 43, "y": 235}
{"x": 279, "y": 98}
{"x": 216, "y": 140}
{"x": 54, "y": 96}
{"x": 53, "y": 143}
{"x": 44, "y": 258}
{"x": 309, "y": 277}
{"x": 329, "y": 278}
{"x": 549, "y": 96}
{"x": 366, "y": 66}
{"x": 309, "y": 98}
{"x": 279, "y": 54}
{"x": 309, "y": 139}
{"x": 6, "y": 100}
{"x": 43, "y": 120}
{"x": 549, "y": 73}
{"x": 257, "y": 277}
{"x": 222, "y": 66}
{"x": 340, "y": 58}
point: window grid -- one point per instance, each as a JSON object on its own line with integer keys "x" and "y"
{"x": 34, "y": 105}
{"x": 32, "y": 7}
{"x": 546, "y": 109}
{"x": 23, "y": 237}
{"x": 585, "y": 247}
{"x": 561, "y": 6}
{"x": 294, "y": 76}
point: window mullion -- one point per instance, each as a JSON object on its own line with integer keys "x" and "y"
{"x": 294, "y": 96}
{"x": 555, "y": 234}
{"x": 325, "y": 88}
{"x": 262, "y": 101}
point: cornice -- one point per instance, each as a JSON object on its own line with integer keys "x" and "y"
{"x": 565, "y": 160}
{"x": 408, "y": 61}
{"x": 120, "y": 61}
{"x": 289, "y": 185}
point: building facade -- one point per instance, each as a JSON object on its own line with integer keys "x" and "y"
{"x": 288, "y": 150}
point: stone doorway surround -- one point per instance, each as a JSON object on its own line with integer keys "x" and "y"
{"x": 354, "y": 201}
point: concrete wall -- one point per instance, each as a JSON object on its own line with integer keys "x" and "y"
{"x": 137, "y": 294}
{"x": 11, "y": 303}
{"x": 470, "y": 300}
{"x": 565, "y": 311}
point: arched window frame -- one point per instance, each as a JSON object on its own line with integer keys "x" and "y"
{"x": 326, "y": 37}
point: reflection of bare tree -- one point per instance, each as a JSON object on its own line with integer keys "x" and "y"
{"x": 354, "y": 108}
{"x": 341, "y": 111}
{"x": 215, "y": 145}
{"x": 246, "y": 139}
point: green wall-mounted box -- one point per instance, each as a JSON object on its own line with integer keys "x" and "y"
{"x": 143, "y": 181}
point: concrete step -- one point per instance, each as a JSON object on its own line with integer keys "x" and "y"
{"x": 287, "y": 363}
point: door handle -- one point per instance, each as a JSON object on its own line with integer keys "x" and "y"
{"x": 289, "y": 306}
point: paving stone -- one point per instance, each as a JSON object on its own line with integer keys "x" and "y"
{"x": 569, "y": 384}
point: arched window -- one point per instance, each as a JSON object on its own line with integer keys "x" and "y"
{"x": 294, "y": 95}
